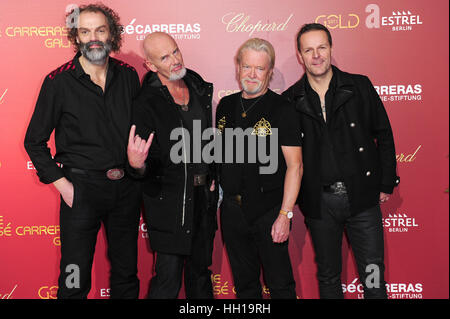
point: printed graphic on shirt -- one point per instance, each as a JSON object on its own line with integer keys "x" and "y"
{"x": 221, "y": 124}
{"x": 262, "y": 128}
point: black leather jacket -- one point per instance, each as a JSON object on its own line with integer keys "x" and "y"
{"x": 168, "y": 186}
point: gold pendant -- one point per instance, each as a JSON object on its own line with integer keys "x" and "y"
{"x": 244, "y": 115}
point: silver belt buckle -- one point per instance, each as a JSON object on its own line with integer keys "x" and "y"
{"x": 199, "y": 180}
{"x": 115, "y": 174}
{"x": 340, "y": 188}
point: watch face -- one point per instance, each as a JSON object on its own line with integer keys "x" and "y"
{"x": 290, "y": 215}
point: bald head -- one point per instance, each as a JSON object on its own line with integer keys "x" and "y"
{"x": 155, "y": 41}
{"x": 163, "y": 56}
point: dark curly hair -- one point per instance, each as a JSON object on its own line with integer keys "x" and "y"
{"x": 115, "y": 28}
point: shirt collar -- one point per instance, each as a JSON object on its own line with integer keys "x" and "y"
{"x": 331, "y": 85}
{"x": 79, "y": 71}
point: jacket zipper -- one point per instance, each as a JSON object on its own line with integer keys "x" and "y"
{"x": 185, "y": 175}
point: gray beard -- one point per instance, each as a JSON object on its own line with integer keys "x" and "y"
{"x": 248, "y": 91}
{"x": 179, "y": 76}
{"x": 96, "y": 56}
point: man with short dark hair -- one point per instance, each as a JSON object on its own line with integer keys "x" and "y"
{"x": 350, "y": 165}
{"x": 87, "y": 102}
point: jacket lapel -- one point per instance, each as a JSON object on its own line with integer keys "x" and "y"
{"x": 344, "y": 89}
{"x": 303, "y": 104}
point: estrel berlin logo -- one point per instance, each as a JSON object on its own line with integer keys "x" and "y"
{"x": 399, "y": 20}
{"x": 2, "y": 96}
{"x": 399, "y": 223}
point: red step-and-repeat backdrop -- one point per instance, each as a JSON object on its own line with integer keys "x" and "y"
{"x": 402, "y": 45}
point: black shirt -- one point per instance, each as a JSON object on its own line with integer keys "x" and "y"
{"x": 330, "y": 172}
{"x": 91, "y": 126}
{"x": 195, "y": 113}
{"x": 260, "y": 192}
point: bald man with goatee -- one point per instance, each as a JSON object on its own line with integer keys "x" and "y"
{"x": 179, "y": 195}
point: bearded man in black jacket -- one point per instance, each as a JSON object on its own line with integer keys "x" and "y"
{"x": 349, "y": 164}
{"x": 179, "y": 194}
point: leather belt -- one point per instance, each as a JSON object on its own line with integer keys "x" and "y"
{"x": 113, "y": 174}
{"x": 336, "y": 188}
{"x": 200, "y": 180}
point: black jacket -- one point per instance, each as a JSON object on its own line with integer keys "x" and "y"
{"x": 361, "y": 137}
{"x": 167, "y": 186}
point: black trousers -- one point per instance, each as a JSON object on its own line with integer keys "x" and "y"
{"x": 168, "y": 271}
{"x": 250, "y": 247}
{"x": 365, "y": 234}
{"x": 97, "y": 200}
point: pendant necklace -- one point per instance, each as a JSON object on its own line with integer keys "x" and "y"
{"x": 183, "y": 105}
{"x": 244, "y": 111}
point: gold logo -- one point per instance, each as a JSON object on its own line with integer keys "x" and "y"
{"x": 262, "y": 128}
{"x": 2, "y": 97}
{"x": 221, "y": 124}
{"x": 334, "y": 21}
{"x": 48, "y": 292}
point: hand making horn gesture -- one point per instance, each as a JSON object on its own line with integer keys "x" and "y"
{"x": 138, "y": 148}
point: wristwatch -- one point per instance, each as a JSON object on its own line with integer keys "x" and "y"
{"x": 287, "y": 214}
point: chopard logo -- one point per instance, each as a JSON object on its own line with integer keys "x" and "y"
{"x": 2, "y": 97}
{"x": 240, "y": 22}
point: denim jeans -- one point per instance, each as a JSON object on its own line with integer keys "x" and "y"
{"x": 116, "y": 205}
{"x": 365, "y": 234}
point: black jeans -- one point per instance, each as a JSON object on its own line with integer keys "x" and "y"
{"x": 166, "y": 282}
{"x": 116, "y": 204}
{"x": 365, "y": 234}
{"x": 251, "y": 246}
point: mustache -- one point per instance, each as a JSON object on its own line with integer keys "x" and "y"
{"x": 176, "y": 66}
{"x": 251, "y": 80}
{"x": 89, "y": 44}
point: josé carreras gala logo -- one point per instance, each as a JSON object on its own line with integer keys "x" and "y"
{"x": 179, "y": 31}
{"x": 399, "y": 19}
